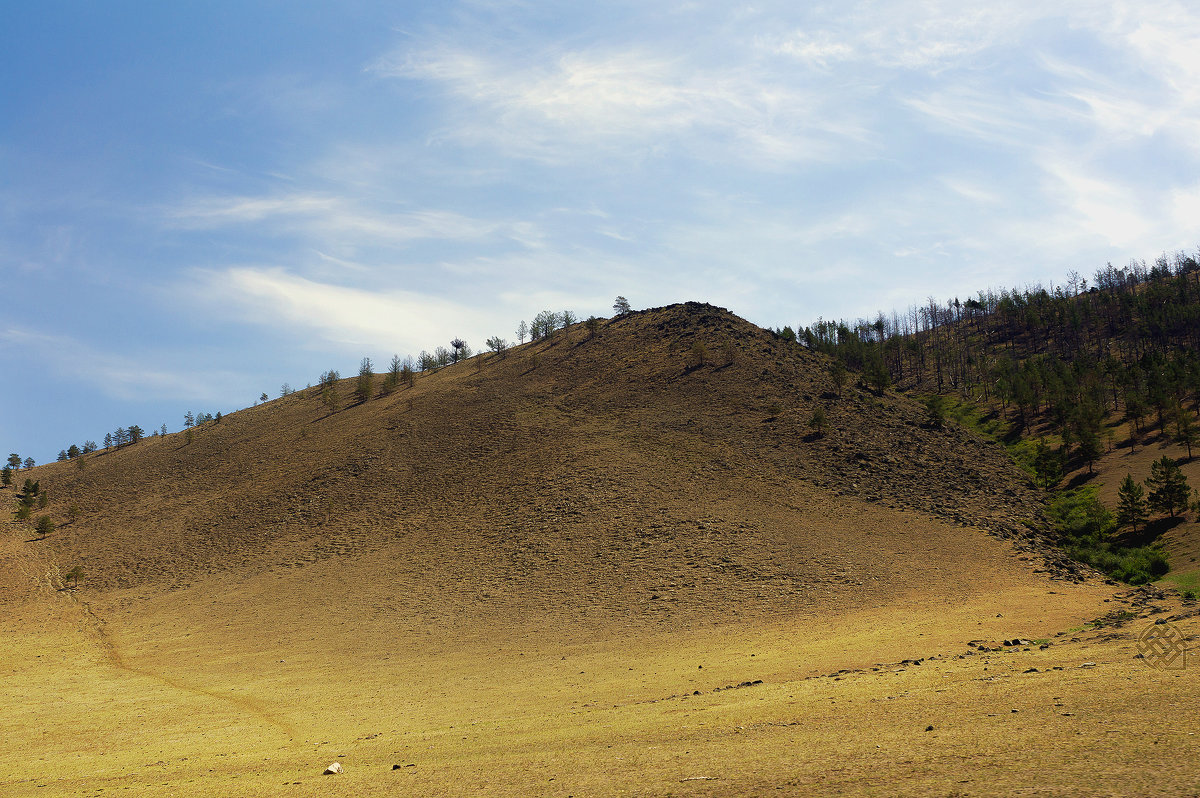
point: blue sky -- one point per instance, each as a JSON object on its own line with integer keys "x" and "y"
{"x": 202, "y": 201}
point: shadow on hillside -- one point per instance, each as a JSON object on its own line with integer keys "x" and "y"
{"x": 1010, "y": 438}
{"x": 1079, "y": 480}
{"x": 1149, "y": 533}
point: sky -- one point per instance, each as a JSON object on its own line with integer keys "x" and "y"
{"x": 201, "y": 201}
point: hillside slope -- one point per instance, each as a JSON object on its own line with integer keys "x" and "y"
{"x": 594, "y": 566}
{"x": 605, "y": 451}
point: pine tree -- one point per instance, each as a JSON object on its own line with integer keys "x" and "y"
{"x": 1186, "y": 431}
{"x": 818, "y": 421}
{"x": 837, "y": 370}
{"x": 329, "y": 398}
{"x": 391, "y": 380}
{"x": 877, "y": 375}
{"x": 497, "y": 345}
{"x": 621, "y": 306}
{"x": 544, "y": 325}
{"x": 1047, "y": 465}
{"x": 1131, "y": 503}
{"x": 14, "y": 461}
{"x": 6, "y": 476}
{"x": 935, "y": 411}
{"x": 1169, "y": 490}
{"x": 364, "y": 386}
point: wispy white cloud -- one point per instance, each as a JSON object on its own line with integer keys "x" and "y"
{"x": 928, "y": 37}
{"x": 617, "y": 99}
{"x": 332, "y": 215}
{"x": 329, "y": 315}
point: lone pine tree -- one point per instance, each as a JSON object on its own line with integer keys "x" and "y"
{"x": 1169, "y": 490}
{"x": 1131, "y": 503}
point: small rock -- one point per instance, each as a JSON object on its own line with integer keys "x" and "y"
{"x": 928, "y": 728}
{"x": 333, "y": 769}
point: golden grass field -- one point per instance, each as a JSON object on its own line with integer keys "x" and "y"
{"x": 566, "y": 577}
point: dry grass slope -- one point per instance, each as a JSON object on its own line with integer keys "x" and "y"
{"x": 530, "y": 574}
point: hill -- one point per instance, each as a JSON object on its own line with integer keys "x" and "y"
{"x": 593, "y": 564}
{"x": 608, "y": 433}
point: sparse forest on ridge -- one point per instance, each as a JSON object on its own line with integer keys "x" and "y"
{"x": 1062, "y": 376}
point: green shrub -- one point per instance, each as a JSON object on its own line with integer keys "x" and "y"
{"x": 1086, "y": 527}
{"x": 935, "y": 411}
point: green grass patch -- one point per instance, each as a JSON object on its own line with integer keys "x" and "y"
{"x": 969, "y": 415}
{"x": 990, "y": 425}
{"x": 1086, "y": 528}
{"x": 1183, "y": 581}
